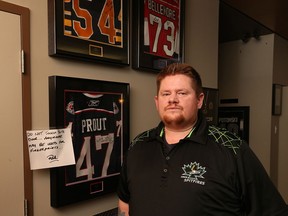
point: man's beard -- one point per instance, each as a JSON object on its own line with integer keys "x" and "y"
{"x": 175, "y": 119}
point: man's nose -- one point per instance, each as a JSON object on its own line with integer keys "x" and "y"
{"x": 173, "y": 98}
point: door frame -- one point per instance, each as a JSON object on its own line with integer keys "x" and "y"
{"x": 24, "y": 14}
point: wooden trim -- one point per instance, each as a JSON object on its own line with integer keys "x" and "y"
{"x": 24, "y": 14}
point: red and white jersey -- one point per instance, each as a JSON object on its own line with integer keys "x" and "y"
{"x": 161, "y": 27}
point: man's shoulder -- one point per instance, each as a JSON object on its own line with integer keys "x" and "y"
{"x": 225, "y": 138}
{"x": 144, "y": 137}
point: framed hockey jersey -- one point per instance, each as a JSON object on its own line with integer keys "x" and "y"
{"x": 94, "y": 30}
{"x": 98, "y": 116}
{"x": 158, "y": 32}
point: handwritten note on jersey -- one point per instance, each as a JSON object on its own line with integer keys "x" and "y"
{"x": 50, "y": 148}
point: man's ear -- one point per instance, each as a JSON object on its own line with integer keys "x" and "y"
{"x": 156, "y": 100}
{"x": 200, "y": 100}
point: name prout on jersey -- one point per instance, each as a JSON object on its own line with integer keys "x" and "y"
{"x": 161, "y": 9}
{"x": 94, "y": 124}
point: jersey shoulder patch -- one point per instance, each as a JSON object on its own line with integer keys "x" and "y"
{"x": 225, "y": 138}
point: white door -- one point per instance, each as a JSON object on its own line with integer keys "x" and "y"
{"x": 11, "y": 144}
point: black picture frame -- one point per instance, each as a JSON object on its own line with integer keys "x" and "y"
{"x": 80, "y": 30}
{"x": 277, "y": 99}
{"x": 99, "y": 113}
{"x": 168, "y": 18}
{"x": 236, "y": 120}
{"x": 210, "y": 105}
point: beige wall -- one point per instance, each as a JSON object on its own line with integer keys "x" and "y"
{"x": 201, "y": 45}
{"x": 280, "y": 61}
{"x": 245, "y": 72}
{"x": 201, "y": 36}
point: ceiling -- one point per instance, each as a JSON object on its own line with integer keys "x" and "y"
{"x": 241, "y": 19}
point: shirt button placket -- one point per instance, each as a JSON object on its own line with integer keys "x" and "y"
{"x": 165, "y": 172}
{"x": 166, "y": 166}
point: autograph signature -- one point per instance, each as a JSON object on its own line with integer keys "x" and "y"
{"x": 52, "y": 158}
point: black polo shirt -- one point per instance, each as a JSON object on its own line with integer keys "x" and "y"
{"x": 211, "y": 172}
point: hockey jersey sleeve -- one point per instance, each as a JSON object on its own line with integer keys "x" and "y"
{"x": 260, "y": 196}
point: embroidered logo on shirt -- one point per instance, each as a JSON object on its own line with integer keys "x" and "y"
{"x": 193, "y": 173}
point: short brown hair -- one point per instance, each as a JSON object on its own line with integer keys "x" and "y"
{"x": 184, "y": 69}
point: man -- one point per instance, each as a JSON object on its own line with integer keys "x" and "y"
{"x": 185, "y": 167}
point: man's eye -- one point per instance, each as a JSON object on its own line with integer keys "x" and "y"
{"x": 165, "y": 94}
{"x": 181, "y": 93}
